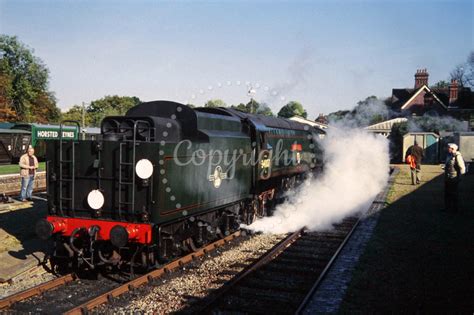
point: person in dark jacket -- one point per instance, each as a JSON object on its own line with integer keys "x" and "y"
{"x": 454, "y": 167}
{"x": 417, "y": 152}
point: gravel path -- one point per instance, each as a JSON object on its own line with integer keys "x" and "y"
{"x": 180, "y": 289}
{"x": 25, "y": 281}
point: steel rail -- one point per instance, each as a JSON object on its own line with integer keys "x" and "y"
{"x": 152, "y": 275}
{"x": 264, "y": 259}
{"x": 37, "y": 290}
{"x": 323, "y": 274}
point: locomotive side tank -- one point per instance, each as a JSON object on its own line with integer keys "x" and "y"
{"x": 166, "y": 178}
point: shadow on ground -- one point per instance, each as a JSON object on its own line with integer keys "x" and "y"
{"x": 419, "y": 259}
{"x": 17, "y": 231}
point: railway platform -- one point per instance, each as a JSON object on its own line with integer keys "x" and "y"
{"x": 419, "y": 258}
{"x": 20, "y": 250}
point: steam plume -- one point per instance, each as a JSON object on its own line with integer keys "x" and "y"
{"x": 436, "y": 123}
{"x": 356, "y": 170}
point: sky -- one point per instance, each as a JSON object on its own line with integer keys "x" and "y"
{"x": 325, "y": 54}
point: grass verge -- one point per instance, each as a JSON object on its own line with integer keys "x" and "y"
{"x": 15, "y": 169}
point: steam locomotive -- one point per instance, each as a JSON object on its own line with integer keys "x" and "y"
{"x": 165, "y": 179}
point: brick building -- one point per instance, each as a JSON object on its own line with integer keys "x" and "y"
{"x": 455, "y": 100}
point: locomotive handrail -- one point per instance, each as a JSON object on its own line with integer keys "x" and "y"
{"x": 135, "y": 124}
{"x": 134, "y": 144}
{"x": 61, "y": 124}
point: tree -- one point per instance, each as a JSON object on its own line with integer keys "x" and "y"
{"x": 254, "y": 107}
{"x": 7, "y": 113}
{"x": 24, "y": 83}
{"x": 240, "y": 107}
{"x": 464, "y": 73}
{"x": 264, "y": 109}
{"x": 441, "y": 85}
{"x": 215, "y": 103}
{"x": 76, "y": 113}
{"x": 292, "y": 109}
{"x": 459, "y": 74}
{"x": 110, "y": 106}
{"x": 45, "y": 110}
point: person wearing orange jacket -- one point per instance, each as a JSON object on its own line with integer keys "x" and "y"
{"x": 415, "y": 155}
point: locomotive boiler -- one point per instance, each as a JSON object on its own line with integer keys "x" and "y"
{"x": 165, "y": 179}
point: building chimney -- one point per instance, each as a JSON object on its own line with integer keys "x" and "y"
{"x": 421, "y": 78}
{"x": 453, "y": 91}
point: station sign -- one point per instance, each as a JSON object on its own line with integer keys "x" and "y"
{"x": 54, "y": 134}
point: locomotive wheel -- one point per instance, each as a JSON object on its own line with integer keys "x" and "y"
{"x": 191, "y": 245}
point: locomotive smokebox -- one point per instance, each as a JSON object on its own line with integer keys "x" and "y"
{"x": 119, "y": 236}
{"x": 44, "y": 229}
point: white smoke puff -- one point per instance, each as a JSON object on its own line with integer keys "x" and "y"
{"x": 356, "y": 170}
{"x": 366, "y": 113}
{"x": 436, "y": 123}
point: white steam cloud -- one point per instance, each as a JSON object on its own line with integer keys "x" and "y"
{"x": 436, "y": 123}
{"x": 356, "y": 169}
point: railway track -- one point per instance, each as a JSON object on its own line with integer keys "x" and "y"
{"x": 283, "y": 279}
{"x": 71, "y": 295}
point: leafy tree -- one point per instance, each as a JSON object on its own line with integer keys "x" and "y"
{"x": 254, "y": 107}
{"x": 45, "y": 110}
{"x": 7, "y": 113}
{"x": 215, "y": 103}
{"x": 110, "y": 106}
{"x": 76, "y": 113}
{"x": 264, "y": 109}
{"x": 242, "y": 107}
{"x": 24, "y": 83}
{"x": 292, "y": 109}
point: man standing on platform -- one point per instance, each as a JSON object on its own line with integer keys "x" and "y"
{"x": 28, "y": 165}
{"x": 417, "y": 153}
{"x": 453, "y": 169}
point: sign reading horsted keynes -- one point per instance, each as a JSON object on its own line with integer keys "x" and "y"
{"x": 54, "y": 134}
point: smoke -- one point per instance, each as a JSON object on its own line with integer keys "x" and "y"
{"x": 356, "y": 169}
{"x": 367, "y": 112}
{"x": 436, "y": 124}
{"x": 297, "y": 74}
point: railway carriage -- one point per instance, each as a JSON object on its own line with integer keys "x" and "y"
{"x": 166, "y": 178}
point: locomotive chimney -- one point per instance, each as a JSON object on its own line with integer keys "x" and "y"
{"x": 421, "y": 78}
{"x": 453, "y": 91}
